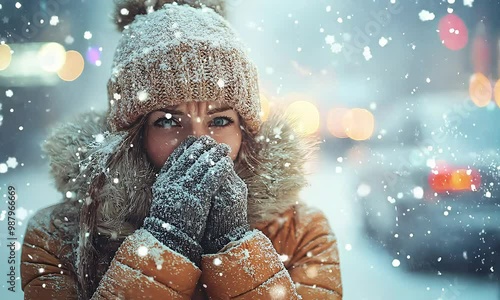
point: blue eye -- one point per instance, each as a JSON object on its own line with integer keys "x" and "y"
{"x": 166, "y": 123}
{"x": 222, "y": 121}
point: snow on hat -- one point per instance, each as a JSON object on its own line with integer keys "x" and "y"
{"x": 171, "y": 54}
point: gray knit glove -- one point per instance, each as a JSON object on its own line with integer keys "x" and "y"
{"x": 182, "y": 194}
{"x": 227, "y": 220}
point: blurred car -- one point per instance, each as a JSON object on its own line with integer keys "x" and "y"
{"x": 429, "y": 185}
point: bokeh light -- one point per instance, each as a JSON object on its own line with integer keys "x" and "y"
{"x": 5, "y": 56}
{"x": 359, "y": 124}
{"x": 51, "y": 57}
{"x": 94, "y": 55}
{"x": 264, "y": 107}
{"x": 453, "y": 32}
{"x": 481, "y": 55}
{"x": 334, "y": 122}
{"x": 497, "y": 92}
{"x": 73, "y": 66}
{"x": 306, "y": 114}
{"x": 480, "y": 90}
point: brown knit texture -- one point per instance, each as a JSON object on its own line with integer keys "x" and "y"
{"x": 180, "y": 54}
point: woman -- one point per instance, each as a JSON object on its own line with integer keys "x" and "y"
{"x": 179, "y": 191}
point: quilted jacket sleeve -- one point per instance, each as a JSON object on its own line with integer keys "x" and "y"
{"x": 294, "y": 256}
{"x": 308, "y": 248}
{"x": 43, "y": 274}
{"x": 141, "y": 267}
{"x": 247, "y": 269}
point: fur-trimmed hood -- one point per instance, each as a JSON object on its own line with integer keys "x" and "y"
{"x": 76, "y": 149}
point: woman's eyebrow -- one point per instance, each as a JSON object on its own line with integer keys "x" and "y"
{"x": 172, "y": 111}
{"x": 218, "y": 110}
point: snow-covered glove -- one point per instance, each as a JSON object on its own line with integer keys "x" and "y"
{"x": 227, "y": 220}
{"x": 182, "y": 194}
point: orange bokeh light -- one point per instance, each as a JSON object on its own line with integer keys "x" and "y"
{"x": 359, "y": 124}
{"x": 334, "y": 122}
{"x": 306, "y": 115}
{"x": 73, "y": 66}
{"x": 5, "y": 56}
{"x": 480, "y": 90}
{"x": 497, "y": 92}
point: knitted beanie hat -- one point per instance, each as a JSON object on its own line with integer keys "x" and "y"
{"x": 172, "y": 54}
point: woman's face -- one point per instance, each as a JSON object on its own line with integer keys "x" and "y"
{"x": 167, "y": 128}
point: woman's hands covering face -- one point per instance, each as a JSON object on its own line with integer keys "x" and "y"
{"x": 182, "y": 193}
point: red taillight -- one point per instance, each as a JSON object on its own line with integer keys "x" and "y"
{"x": 448, "y": 179}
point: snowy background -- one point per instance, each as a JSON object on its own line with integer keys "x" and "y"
{"x": 329, "y": 59}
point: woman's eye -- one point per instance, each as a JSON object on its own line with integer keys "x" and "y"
{"x": 166, "y": 123}
{"x": 222, "y": 121}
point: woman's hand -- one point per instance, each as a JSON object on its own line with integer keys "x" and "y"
{"x": 182, "y": 194}
{"x": 227, "y": 220}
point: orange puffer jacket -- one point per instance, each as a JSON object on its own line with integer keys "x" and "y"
{"x": 294, "y": 255}
{"x": 290, "y": 254}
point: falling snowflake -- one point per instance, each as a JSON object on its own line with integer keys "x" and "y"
{"x": 329, "y": 39}
{"x": 418, "y": 192}
{"x": 142, "y": 251}
{"x": 364, "y": 190}
{"x": 278, "y": 292}
{"x": 167, "y": 226}
{"x": 284, "y": 257}
{"x": 69, "y": 40}
{"x": 367, "y": 53}
{"x": 87, "y": 35}
{"x": 3, "y": 168}
{"x": 396, "y": 263}
{"x": 142, "y": 96}
{"x": 220, "y": 83}
{"x": 468, "y": 3}
{"x": 382, "y": 41}
{"x": 99, "y": 138}
{"x": 12, "y": 162}
{"x": 9, "y": 93}
{"x": 336, "y": 48}
{"x": 21, "y": 213}
{"x": 54, "y": 20}
{"x": 425, "y": 15}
